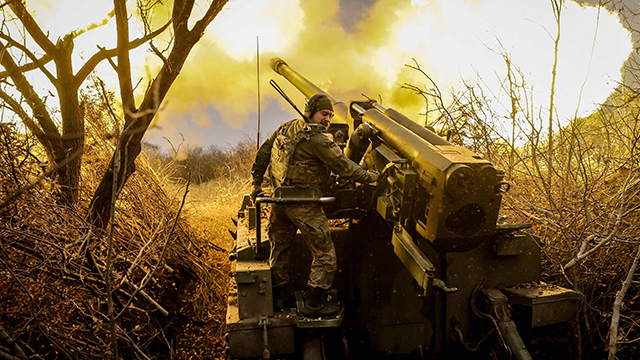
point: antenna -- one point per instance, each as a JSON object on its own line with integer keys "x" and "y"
{"x": 281, "y": 92}
{"x": 258, "y": 76}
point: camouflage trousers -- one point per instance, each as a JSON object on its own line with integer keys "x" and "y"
{"x": 310, "y": 219}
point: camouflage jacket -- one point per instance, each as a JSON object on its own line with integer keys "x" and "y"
{"x": 311, "y": 159}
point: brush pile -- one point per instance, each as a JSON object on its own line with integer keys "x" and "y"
{"x": 579, "y": 189}
{"x": 583, "y": 200}
{"x": 168, "y": 278}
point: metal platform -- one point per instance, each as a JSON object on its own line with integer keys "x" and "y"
{"x": 319, "y": 322}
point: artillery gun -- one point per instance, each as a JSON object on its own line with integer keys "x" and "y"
{"x": 425, "y": 270}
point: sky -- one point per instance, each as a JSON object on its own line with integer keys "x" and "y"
{"x": 350, "y": 47}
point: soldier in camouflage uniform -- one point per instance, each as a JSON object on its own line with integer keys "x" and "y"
{"x": 301, "y": 155}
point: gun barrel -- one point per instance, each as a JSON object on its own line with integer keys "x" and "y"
{"x": 309, "y": 89}
{"x": 466, "y": 186}
{"x": 421, "y": 131}
{"x": 305, "y": 86}
{"x": 465, "y": 189}
{"x": 399, "y": 137}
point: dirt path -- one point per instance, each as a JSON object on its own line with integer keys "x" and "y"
{"x": 209, "y": 210}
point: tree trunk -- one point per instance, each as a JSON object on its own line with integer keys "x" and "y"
{"x": 137, "y": 122}
{"x": 72, "y": 116}
{"x": 59, "y": 147}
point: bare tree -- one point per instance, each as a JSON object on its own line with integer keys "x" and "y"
{"x": 138, "y": 118}
{"x": 64, "y": 142}
{"x": 67, "y": 140}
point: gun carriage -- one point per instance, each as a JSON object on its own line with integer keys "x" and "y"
{"x": 425, "y": 270}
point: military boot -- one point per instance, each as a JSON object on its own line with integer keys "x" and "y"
{"x": 315, "y": 305}
{"x": 280, "y": 298}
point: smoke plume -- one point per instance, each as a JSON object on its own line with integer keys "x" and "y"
{"x": 363, "y": 47}
{"x": 451, "y": 40}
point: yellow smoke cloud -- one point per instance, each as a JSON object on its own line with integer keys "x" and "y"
{"x": 451, "y": 39}
{"x": 59, "y": 17}
{"x": 221, "y": 73}
{"x": 93, "y": 23}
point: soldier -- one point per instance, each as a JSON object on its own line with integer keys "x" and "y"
{"x": 301, "y": 155}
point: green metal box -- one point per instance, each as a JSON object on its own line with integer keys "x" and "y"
{"x": 549, "y": 304}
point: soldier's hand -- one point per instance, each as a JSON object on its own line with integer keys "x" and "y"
{"x": 374, "y": 177}
{"x": 257, "y": 190}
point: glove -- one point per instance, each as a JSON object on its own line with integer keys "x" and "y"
{"x": 257, "y": 190}
{"x": 374, "y": 177}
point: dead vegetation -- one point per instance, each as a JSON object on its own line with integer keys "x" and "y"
{"x": 168, "y": 260}
{"x": 579, "y": 188}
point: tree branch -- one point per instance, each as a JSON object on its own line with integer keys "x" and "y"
{"x": 94, "y": 60}
{"x": 133, "y": 344}
{"x": 36, "y": 62}
{"x": 33, "y": 28}
{"x": 124, "y": 63}
{"x": 6, "y": 356}
{"x": 30, "y": 66}
{"x": 6, "y": 201}
{"x": 137, "y": 291}
{"x": 160, "y": 55}
{"x": 29, "y": 123}
{"x": 180, "y": 15}
{"x": 164, "y": 250}
{"x": 207, "y": 18}
{"x": 584, "y": 254}
{"x": 24, "y": 87}
{"x": 11, "y": 344}
{"x": 113, "y": 321}
{"x": 615, "y": 318}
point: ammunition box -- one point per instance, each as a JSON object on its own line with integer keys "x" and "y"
{"x": 254, "y": 289}
{"x": 549, "y": 304}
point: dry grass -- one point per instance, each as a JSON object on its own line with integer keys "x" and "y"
{"x": 54, "y": 301}
{"x": 208, "y": 212}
